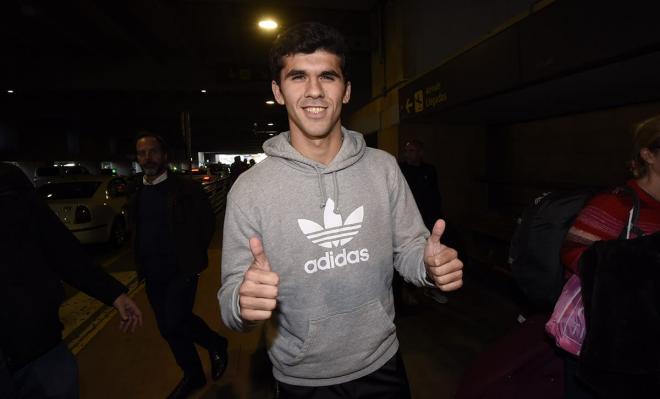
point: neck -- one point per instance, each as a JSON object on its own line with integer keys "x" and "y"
{"x": 651, "y": 184}
{"x": 150, "y": 179}
{"x": 320, "y": 149}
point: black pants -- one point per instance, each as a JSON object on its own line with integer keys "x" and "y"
{"x": 172, "y": 301}
{"x": 573, "y": 388}
{"x": 388, "y": 382}
{"x": 53, "y": 375}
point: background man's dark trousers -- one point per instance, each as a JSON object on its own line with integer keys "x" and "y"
{"x": 172, "y": 301}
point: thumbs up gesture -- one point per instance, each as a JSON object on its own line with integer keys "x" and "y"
{"x": 442, "y": 264}
{"x": 258, "y": 291}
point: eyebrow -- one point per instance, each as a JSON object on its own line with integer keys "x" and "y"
{"x": 298, "y": 72}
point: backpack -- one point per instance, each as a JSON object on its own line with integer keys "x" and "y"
{"x": 536, "y": 243}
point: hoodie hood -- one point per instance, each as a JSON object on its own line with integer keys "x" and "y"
{"x": 352, "y": 149}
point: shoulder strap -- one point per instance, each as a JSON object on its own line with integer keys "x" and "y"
{"x": 633, "y": 215}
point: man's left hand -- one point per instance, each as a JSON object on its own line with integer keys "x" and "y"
{"x": 443, "y": 267}
{"x": 130, "y": 315}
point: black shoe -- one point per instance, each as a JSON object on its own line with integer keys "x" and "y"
{"x": 218, "y": 356}
{"x": 185, "y": 387}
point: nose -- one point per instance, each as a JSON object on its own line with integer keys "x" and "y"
{"x": 313, "y": 89}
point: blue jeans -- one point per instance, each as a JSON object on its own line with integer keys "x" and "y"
{"x": 54, "y": 375}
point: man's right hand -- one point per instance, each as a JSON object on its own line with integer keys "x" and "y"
{"x": 258, "y": 291}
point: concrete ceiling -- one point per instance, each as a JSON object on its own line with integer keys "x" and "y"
{"x": 111, "y": 67}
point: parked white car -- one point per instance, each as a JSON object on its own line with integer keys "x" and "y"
{"x": 93, "y": 208}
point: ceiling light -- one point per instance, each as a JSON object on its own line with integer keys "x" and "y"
{"x": 271, "y": 124}
{"x": 270, "y": 102}
{"x": 10, "y": 91}
{"x": 203, "y": 90}
{"x": 268, "y": 24}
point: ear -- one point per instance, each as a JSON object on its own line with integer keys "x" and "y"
{"x": 647, "y": 155}
{"x": 277, "y": 93}
{"x": 347, "y": 93}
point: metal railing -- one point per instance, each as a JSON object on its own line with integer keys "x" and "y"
{"x": 217, "y": 190}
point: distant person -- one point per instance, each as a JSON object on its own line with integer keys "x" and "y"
{"x": 423, "y": 181}
{"x": 252, "y": 162}
{"x": 236, "y": 169}
{"x": 606, "y": 215}
{"x": 38, "y": 253}
{"x": 173, "y": 224}
{"x": 313, "y": 234}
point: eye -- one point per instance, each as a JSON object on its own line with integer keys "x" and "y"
{"x": 328, "y": 77}
{"x": 298, "y": 77}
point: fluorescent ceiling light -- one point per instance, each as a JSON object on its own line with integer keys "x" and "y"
{"x": 268, "y": 24}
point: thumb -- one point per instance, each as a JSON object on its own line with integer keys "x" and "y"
{"x": 438, "y": 230}
{"x": 257, "y": 249}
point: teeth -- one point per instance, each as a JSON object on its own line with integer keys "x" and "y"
{"x": 314, "y": 110}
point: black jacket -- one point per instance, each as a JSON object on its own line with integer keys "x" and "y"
{"x": 38, "y": 252}
{"x": 620, "y": 354}
{"x": 191, "y": 221}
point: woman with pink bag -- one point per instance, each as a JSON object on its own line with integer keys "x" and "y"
{"x": 605, "y": 217}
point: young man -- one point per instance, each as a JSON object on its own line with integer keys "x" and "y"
{"x": 312, "y": 236}
{"x": 173, "y": 224}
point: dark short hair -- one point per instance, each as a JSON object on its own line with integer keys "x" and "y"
{"x": 161, "y": 141}
{"x": 306, "y": 38}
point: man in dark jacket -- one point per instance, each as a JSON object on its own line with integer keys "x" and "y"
{"x": 38, "y": 252}
{"x": 173, "y": 224}
{"x": 423, "y": 181}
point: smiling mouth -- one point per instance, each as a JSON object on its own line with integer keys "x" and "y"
{"x": 314, "y": 110}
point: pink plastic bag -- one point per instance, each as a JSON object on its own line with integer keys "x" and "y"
{"x": 567, "y": 323}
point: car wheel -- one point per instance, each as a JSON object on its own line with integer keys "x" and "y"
{"x": 118, "y": 233}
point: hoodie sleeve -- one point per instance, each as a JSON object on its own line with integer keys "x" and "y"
{"x": 236, "y": 258}
{"x": 408, "y": 231}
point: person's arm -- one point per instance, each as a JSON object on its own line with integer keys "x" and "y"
{"x": 249, "y": 288}
{"x": 421, "y": 259}
{"x": 409, "y": 234}
{"x": 602, "y": 218}
{"x": 67, "y": 257}
{"x": 75, "y": 267}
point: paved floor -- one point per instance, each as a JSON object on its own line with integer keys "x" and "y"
{"x": 437, "y": 342}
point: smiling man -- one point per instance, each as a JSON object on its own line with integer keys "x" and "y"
{"x": 314, "y": 233}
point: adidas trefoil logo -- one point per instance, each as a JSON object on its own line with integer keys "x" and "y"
{"x": 334, "y": 232}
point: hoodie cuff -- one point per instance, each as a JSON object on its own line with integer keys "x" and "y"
{"x": 236, "y": 308}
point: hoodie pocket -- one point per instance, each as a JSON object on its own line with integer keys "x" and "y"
{"x": 344, "y": 343}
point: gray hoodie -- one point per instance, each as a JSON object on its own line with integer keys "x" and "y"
{"x": 334, "y": 235}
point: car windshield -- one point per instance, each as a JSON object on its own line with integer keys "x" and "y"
{"x": 58, "y": 191}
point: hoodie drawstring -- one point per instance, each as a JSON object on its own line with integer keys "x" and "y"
{"x": 322, "y": 189}
{"x": 334, "y": 182}
{"x": 321, "y": 186}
